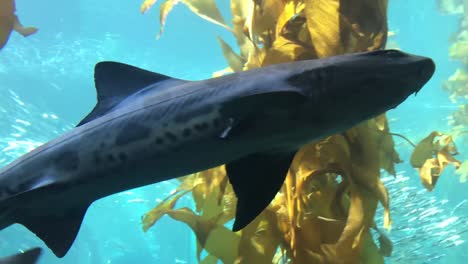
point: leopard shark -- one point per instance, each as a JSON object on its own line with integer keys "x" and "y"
{"x": 148, "y": 127}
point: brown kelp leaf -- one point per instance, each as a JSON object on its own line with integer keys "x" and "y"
{"x": 211, "y": 205}
{"x": 459, "y": 119}
{"x": 366, "y": 164}
{"x": 312, "y": 191}
{"x": 7, "y": 8}
{"x": 323, "y": 22}
{"x": 240, "y": 9}
{"x": 211, "y": 236}
{"x": 347, "y": 245}
{"x": 210, "y": 259}
{"x": 424, "y": 150}
{"x": 9, "y": 22}
{"x": 147, "y": 4}
{"x": 164, "y": 10}
{"x": 222, "y": 72}
{"x": 314, "y": 185}
{"x": 254, "y": 58}
{"x": 150, "y": 218}
{"x": 370, "y": 253}
{"x": 228, "y": 204}
{"x": 447, "y": 144}
{"x": 380, "y": 133}
{"x": 463, "y": 171}
{"x": 246, "y": 46}
{"x": 381, "y": 122}
{"x": 285, "y": 50}
{"x": 24, "y": 31}
{"x": 264, "y": 19}
{"x": 433, "y": 168}
{"x": 236, "y": 63}
{"x": 456, "y": 85}
{"x": 206, "y": 9}
{"x": 6, "y": 27}
{"x": 434, "y": 157}
{"x": 216, "y": 243}
{"x": 289, "y": 11}
{"x": 241, "y": 32}
{"x": 259, "y": 240}
{"x": 286, "y": 206}
{"x": 429, "y": 173}
{"x": 363, "y": 24}
{"x": 459, "y": 50}
{"x": 248, "y": 19}
{"x": 445, "y": 158}
{"x": 187, "y": 183}
{"x": 210, "y": 181}
{"x": 242, "y": 13}
{"x": 360, "y": 218}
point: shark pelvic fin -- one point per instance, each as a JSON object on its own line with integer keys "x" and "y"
{"x": 116, "y": 81}
{"x": 256, "y": 179}
{"x": 57, "y": 231}
{"x": 28, "y": 257}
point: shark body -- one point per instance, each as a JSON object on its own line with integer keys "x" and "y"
{"x": 148, "y": 127}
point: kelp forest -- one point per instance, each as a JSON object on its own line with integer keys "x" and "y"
{"x": 325, "y": 210}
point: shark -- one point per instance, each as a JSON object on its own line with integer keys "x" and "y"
{"x": 30, "y": 256}
{"x": 147, "y": 127}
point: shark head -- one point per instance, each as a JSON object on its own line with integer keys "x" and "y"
{"x": 348, "y": 89}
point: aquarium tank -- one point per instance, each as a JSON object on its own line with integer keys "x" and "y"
{"x": 389, "y": 189}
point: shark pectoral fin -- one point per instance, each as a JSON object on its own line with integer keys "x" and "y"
{"x": 116, "y": 81}
{"x": 256, "y": 179}
{"x": 28, "y": 257}
{"x": 57, "y": 231}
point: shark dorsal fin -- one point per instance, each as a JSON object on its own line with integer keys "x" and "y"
{"x": 116, "y": 81}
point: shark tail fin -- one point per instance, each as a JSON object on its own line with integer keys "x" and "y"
{"x": 58, "y": 230}
{"x": 28, "y": 257}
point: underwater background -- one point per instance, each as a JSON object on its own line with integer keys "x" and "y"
{"x": 47, "y": 86}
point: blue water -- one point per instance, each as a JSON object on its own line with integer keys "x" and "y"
{"x": 46, "y": 86}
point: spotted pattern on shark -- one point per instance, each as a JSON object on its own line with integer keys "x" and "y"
{"x": 132, "y": 132}
{"x": 67, "y": 161}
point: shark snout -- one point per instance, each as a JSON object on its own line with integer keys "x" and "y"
{"x": 426, "y": 70}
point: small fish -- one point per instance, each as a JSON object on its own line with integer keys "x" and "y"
{"x": 147, "y": 127}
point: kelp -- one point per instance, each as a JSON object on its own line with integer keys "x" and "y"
{"x": 326, "y": 207}
{"x": 431, "y": 156}
{"x": 457, "y": 84}
{"x": 10, "y": 22}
